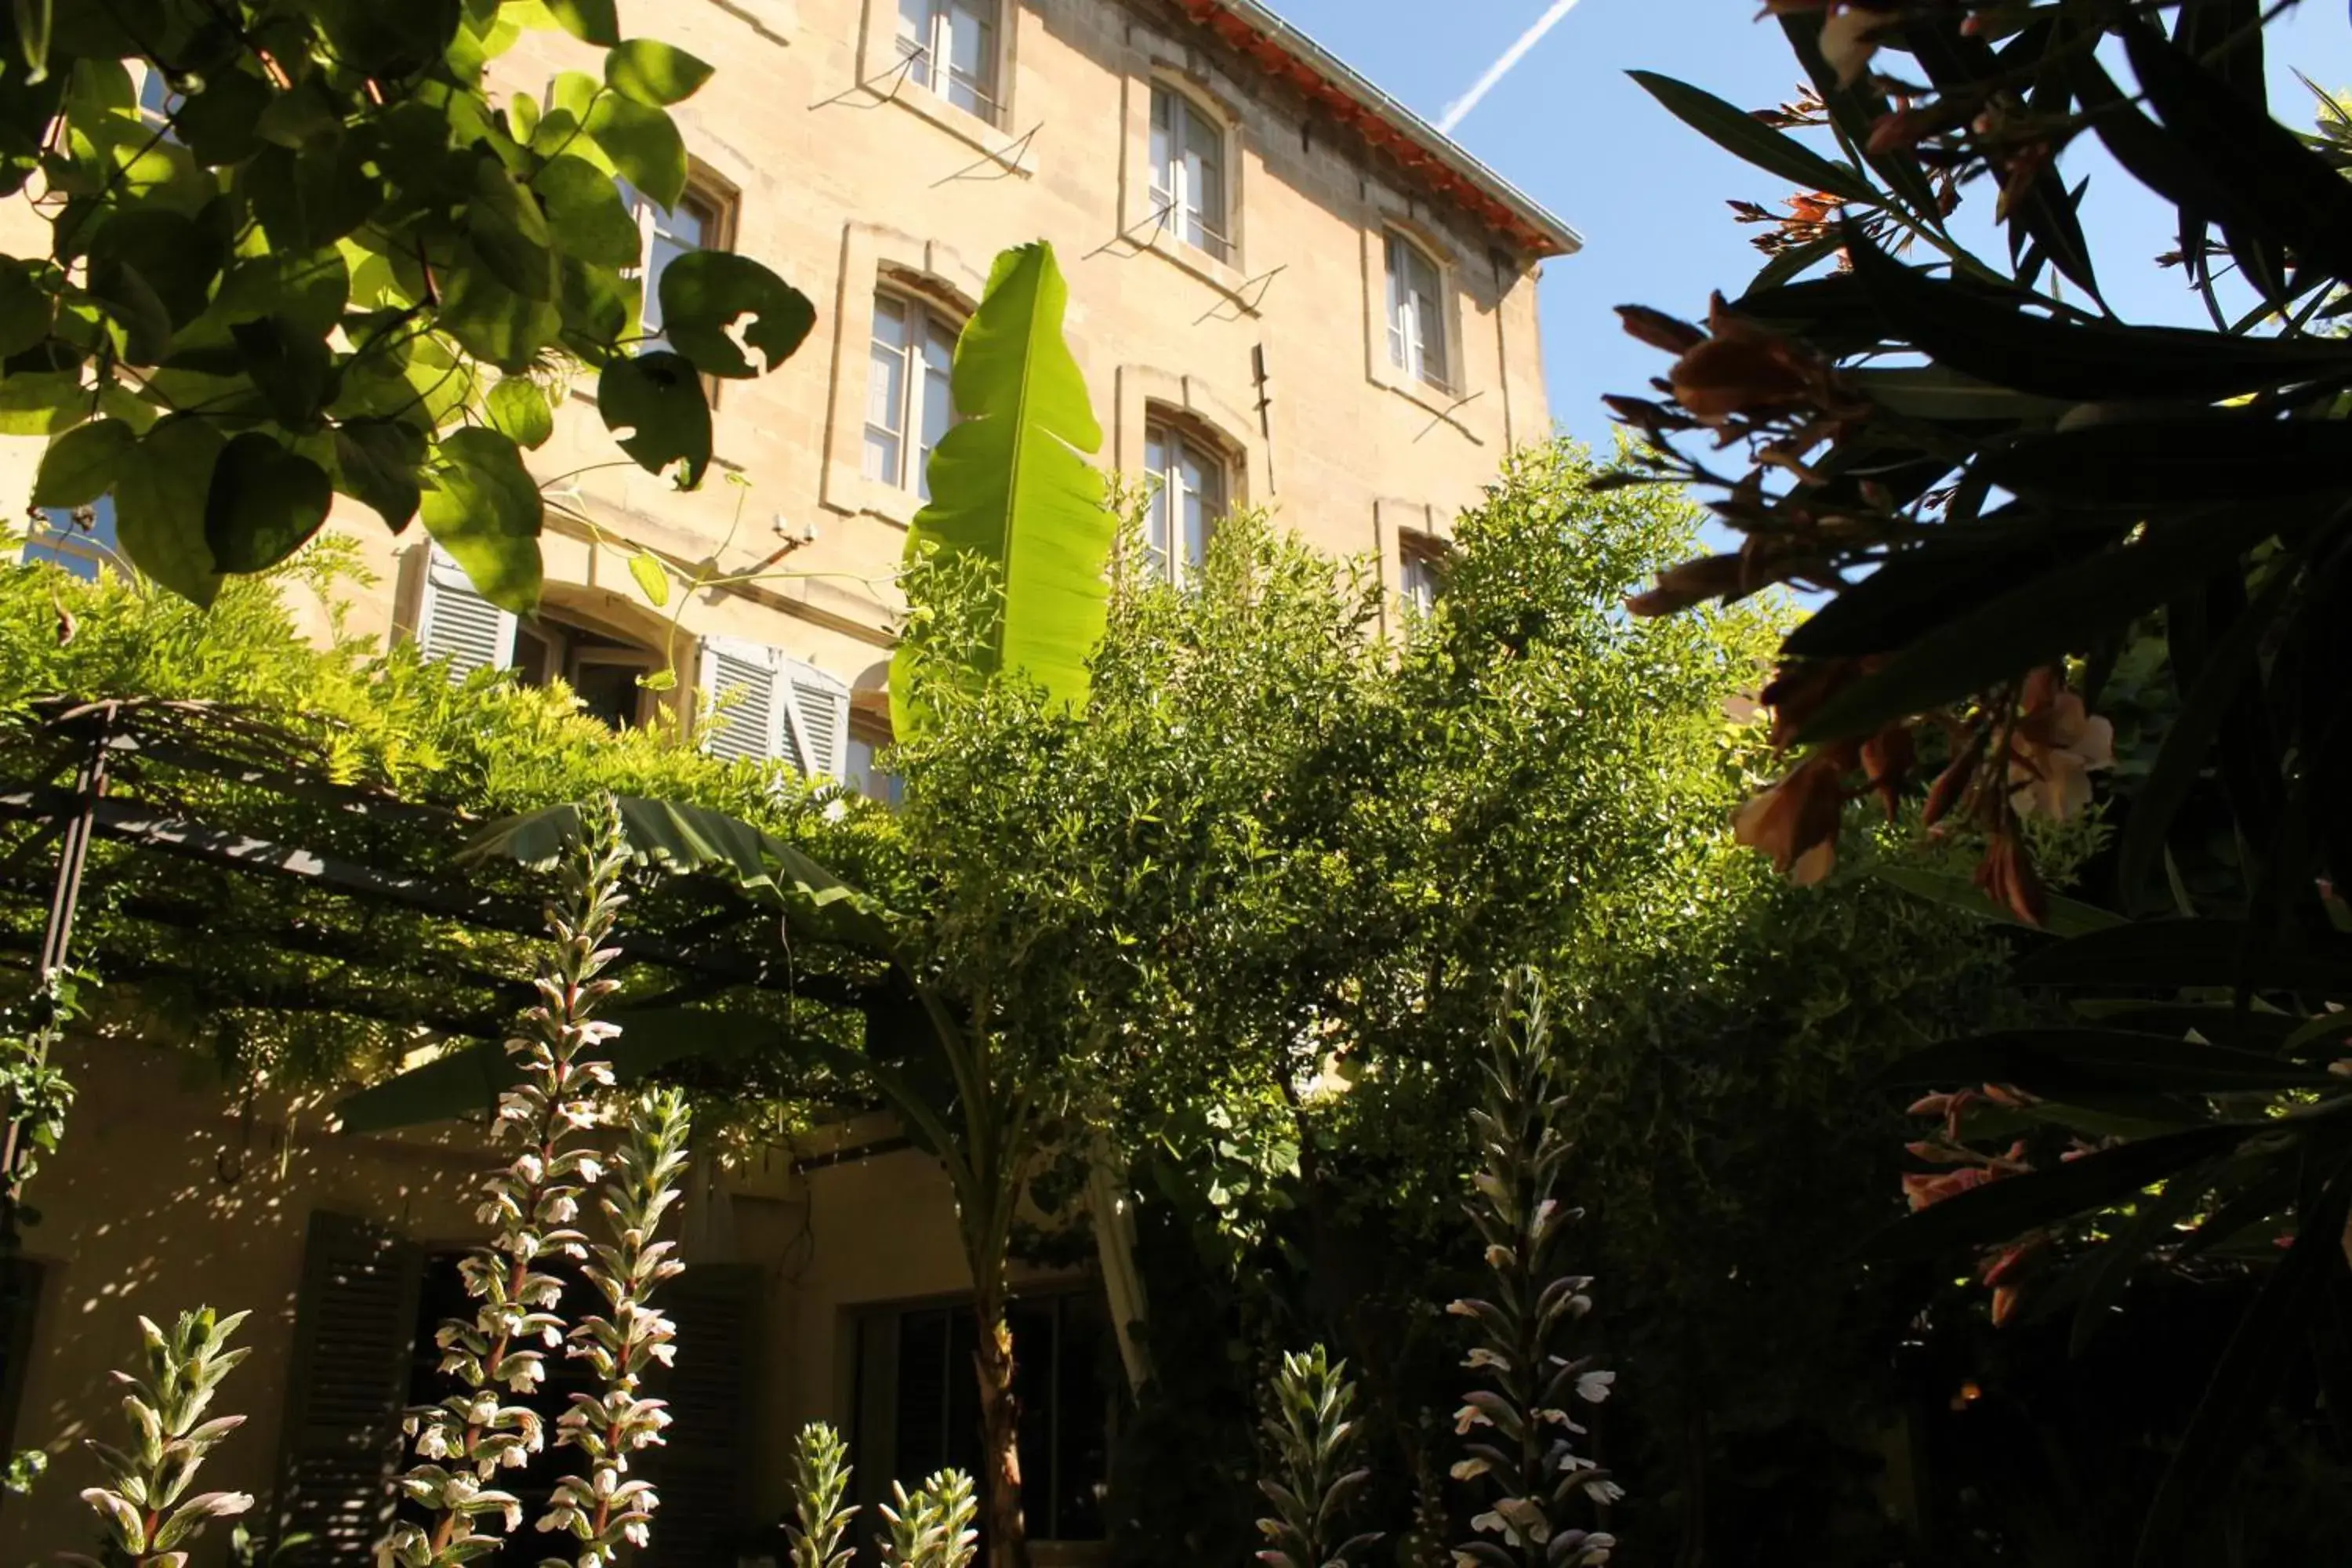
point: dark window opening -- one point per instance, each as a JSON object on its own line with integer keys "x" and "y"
{"x": 918, "y": 1406}
{"x": 604, "y": 673}
{"x": 443, "y": 1297}
{"x": 20, "y": 1301}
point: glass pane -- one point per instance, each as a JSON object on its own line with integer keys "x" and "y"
{"x": 1400, "y": 339}
{"x": 886, "y": 389}
{"x": 1204, "y": 498}
{"x": 881, "y": 455}
{"x": 1164, "y": 142}
{"x": 1155, "y": 524}
{"x": 1204, "y": 168}
{"x": 885, "y": 393}
{"x": 938, "y": 399}
{"x": 914, "y": 35}
{"x": 971, "y": 57}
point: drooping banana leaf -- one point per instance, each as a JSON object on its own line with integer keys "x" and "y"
{"x": 469, "y": 1081}
{"x": 1011, "y": 487}
{"x": 686, "y": 839}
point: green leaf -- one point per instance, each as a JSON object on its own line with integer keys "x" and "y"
{"x": 83, "y": 464}
{"x": 482, "y": 506}
{"x": 705, "y": 292}
{"x": 2198, "y": 460}
{"x": 42, "y": 404}
{"x": 654, "y": 74}
{"x": 590, "y": 21}
{"x": 2000, "y": 1210}
{"x": 2246, "y": 1378}
{"x": 655, "y": 406}
{"x": 1933, "y": 392}
{"x": 644, "y": 144}
{"x": 1011, "y": 488}
{"x": 159, "y": 502}
{"x": 2168, "y": 955}
{"x": 469, "y": 1082}
{"x": 220, "y": 124}
{"x": 306, "y": 202}
{"x": 510, "y": 233}
{"x": 264, "y": 504}
{"x": 293, "y": 368}
{"x": 25, "y": 309}
{"x": 306, "y": 290}
{"x": 518, "y": 410}
{"x": 652, "y": 581}
{"x": 2204, "y": 710}
{"x": 378, "y": 461}
{"x": 389, "y": 40}
{"x": 2107, "y": 1270}
{"x": 1745, "y": 137}
{"x": 2272, "y": 177}
{"x": 2056, "y": 612}
{"x": 684, "y": 839}
{"x": 585, "y": 214}
{"x": 2063, "y": 1064}
{"x": 493, "y": 322}
{"x": 2066, "y": 917}
{"x": 599, "y": 310}
{"x": 124, "y": 291}
{"x": 1982, "y": 336}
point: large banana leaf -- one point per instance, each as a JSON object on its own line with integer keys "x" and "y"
{"x": 1011, "y": 486}
{"x": 684, "y": 839}
{"x": 469, "y": 1080}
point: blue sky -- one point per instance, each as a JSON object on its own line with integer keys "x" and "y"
{"x": 1570, "y": 129}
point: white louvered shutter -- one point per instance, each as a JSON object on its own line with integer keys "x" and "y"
{"x": 455, "y": 622}
{"x": 776, "y": 707}
{"x": 818, "y": 711}
{"x": 742, "y": 675}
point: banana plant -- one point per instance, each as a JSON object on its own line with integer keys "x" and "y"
{"x": 1011, "y": 491}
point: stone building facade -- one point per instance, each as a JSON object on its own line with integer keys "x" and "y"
{"x": 1285, "y": 291}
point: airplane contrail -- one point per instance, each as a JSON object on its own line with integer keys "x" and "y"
{"x": 1502, "y": 68}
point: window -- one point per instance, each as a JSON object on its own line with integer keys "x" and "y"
{"x": 441, "y": 1296}
{"x": 952, "y": 46}
{"x": 1423, "y": 577}
{"x": 1416, "y": 313}
{"x": 869, "y": 739}
{"x": 909, "y": 401}
{"x": 603, "y": 671}
{"x": 919, "y": 1407}
{"x": 1188, "y": 172}
{"x": 20, "y": 1292}
{"x": 698, "y": 222}
{"x": 80, "y": 541}
{"x": 1186, "y": 502}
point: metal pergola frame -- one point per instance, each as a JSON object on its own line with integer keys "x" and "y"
{"x": 147, "y": 776}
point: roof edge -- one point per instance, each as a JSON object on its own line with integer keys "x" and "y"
{"x": 1520, "y": 216}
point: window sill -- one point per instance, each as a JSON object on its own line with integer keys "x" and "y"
{"x": 1440, "y": 403}
{"x": 984, "y": 136}
{"x": 1222, "y": 275}
{"x": 849, "y": 492}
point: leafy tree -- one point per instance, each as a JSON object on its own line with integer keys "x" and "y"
{"x": 1991, "y": 475}
{"x": 292, "y": 276}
